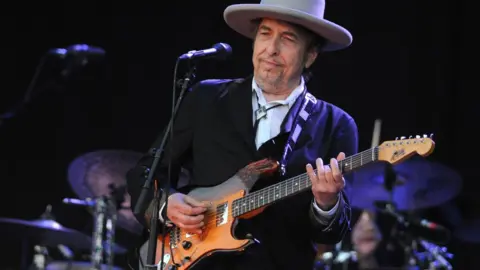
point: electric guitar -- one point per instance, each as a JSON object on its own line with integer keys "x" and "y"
{"x": 230, "y": 201}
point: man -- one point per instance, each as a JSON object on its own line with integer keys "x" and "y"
{"x": 222, "y": 124}
{"x": 365, "y": 239}
{"x": 373, "y": 251}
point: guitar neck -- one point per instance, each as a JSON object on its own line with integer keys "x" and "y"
{"x": 296, "y": 184}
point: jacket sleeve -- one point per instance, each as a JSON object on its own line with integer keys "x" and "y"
{"x": 178, "y": 151}
{"x": 345, "y": 140}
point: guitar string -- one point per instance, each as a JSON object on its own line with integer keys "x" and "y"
{"x": 233, "y": 211}
{"x": 282, "y": 187}
{"x": 289, "y": 183}
{"x": 267, "y": 193}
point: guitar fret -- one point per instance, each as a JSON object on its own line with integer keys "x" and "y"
{"x": 296, "y": 184}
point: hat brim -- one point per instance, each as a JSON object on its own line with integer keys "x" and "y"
{"x": 241, "y": 18}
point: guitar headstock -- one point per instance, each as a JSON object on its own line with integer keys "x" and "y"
{"x": 397, "y": 151}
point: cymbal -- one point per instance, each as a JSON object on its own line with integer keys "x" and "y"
{"x": 419, "y": 184}
{"x": 90, "y": 175}
{"x": 50, "y": 233}
{"x": 469, "y": 231}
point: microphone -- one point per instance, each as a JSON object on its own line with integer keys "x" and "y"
{"x": 77, "y": 56}
{"x": 419, "y": 226}
{"x": 77, "y": 50}
{"x": 219, "y": 50}
{"x": 426, "y": 224}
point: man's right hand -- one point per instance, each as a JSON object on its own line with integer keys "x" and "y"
{"x": 186, "y": 212}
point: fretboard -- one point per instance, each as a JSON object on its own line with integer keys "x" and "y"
{"x": 297, "y": 184}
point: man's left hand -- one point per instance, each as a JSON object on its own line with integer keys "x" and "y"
{"x": 327, "y": 182}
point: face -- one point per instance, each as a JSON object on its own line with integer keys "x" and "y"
{"x": 280, "y": 53}
{"x": 365, "y": 235}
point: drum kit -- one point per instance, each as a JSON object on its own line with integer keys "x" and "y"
{"x": 98, "y": 179}
{"x": 401, "y": 192}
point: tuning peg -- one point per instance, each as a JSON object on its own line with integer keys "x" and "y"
{"x": 431, "y": 135}
{"x": 403, "y": 138}
{"x": 410, "y": 137}
{"x": 424, "y": 135}
{"x": 396, "y": 138}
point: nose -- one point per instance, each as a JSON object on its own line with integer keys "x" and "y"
{"x": 272, "y": 47}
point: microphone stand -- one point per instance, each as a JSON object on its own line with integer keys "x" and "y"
{"x": 158, "y": 154}
{"x": 29, "y": 94}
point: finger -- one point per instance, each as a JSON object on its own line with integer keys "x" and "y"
{"x": 311, "y": 173}
{"x": 328, "y": 174}
{"x": 191, "y": 201}
{"x": 320, "y": 169}
{"x": 337, "y": 175}
{"x": 188, "y": 210}
{"x": 188, "y": 220}
{"x": 341, "y": 156}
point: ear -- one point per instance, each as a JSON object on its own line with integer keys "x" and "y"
{"x": 310, "y": 58}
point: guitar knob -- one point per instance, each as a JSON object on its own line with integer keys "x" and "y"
{"x": 186, "y": 245}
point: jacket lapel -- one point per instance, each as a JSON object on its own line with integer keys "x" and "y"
{"x": 240, "y": 110}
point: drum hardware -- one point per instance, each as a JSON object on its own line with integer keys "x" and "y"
{"x": 44, "y": 233}
{"x": 436, "y": 256}
{"x": 103, "y": 235}
{"x": 338, "y": 256}
{"x": 40, "y": 257}
{"x": 74, "y": 265}
{"x": 406, "y": 233}
{"x": 412, "y": 185}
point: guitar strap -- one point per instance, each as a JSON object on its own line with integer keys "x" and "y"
{"x": 306, "y": 109}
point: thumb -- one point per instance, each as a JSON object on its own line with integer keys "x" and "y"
{"x": 341, "y": 156}
{"x": 193, "y": 202}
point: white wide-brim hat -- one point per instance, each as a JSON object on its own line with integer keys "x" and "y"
{"x": 307, "y": 13}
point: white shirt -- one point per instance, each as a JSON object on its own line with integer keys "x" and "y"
{"x": 269, "y": 126}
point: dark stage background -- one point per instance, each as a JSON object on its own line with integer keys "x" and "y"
{"x": 409, "y": 65}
